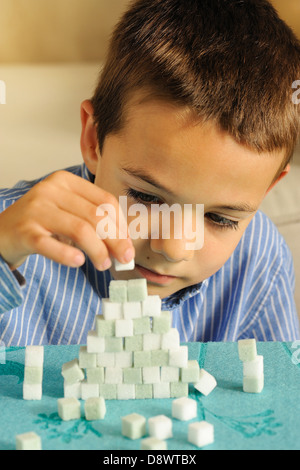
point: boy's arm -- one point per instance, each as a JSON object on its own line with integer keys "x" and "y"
{"x": 11, "y": 283}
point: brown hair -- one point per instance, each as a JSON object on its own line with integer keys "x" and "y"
{"x": 232, "y": 61}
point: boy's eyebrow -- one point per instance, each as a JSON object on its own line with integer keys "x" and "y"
{"x": 242, "y": 207}
{"x": 143, "y": 175}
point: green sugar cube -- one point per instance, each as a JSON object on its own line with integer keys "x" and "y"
{"x": 141, "y": 325}
{"x": 191, "y": 372}
{"x": 113, "y": 344}
{"x": 86, "y": 360}
{"x": 28, "y": 441}
{"x": 104, "y": 328}
{"x": 159, "y": 357}
{"x": 134, "y": 343}
{"x": 143, "y": 391}
{"x": 247, "y": 349}
{"x": 142, "y": 358}
{"x": 118, "y": 291}
{"x": 179, "y": 389}
{"x": 33, "y": 375}
{"x": 163, "y": 323}
{"x": 69, "y": 408}
{"x": 133, "y": 426}
{"x": 132, "y": 375}
{"x": 108, "y": 391}
{"x": 95, "y": 375}
{"x": 137, "y": 290}
{"x": 94, "y": 408}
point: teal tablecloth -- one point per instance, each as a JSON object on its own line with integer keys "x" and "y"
{"x": 270, "y": 420}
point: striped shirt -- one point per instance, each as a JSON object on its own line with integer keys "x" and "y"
{"x": 250, "y": 296}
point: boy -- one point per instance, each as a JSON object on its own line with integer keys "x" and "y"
{"x": 194, "y": 106}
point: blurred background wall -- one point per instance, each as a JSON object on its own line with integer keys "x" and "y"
{"x": 74, "y": 30}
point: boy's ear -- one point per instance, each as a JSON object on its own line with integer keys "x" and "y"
{"x": 279, "y": 178}
{"x": 88, "y": 140}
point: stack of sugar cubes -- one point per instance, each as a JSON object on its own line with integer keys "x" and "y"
{"x": 253, "y": 366}
{"x": 133, "y": 352}
{"x": 33, "y": 373}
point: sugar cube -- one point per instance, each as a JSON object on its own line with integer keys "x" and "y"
{"x": 86, "y": 359}
{"x": 111, "y": 310}
{"x": 94, "y": 408}
{"x": 254, "y": 368}
{"x": 124, "y": 328}
{"x": 33, "y": 375}
{"x": 151, "y": 374}
{"x": 69, "y": 408}
{"x": 108, "y": 391}
{"x": 151, "y": 306}
{"x": 137, "y": 290}
{"x": 89, "y": 390}
{"x": 161, "y": 390}
{"x": 132, "y": 375}
{"x": 134, "y": 343}
{"x": 152, "y": 443}
{"x": 253, "y": 384}
{"x": 151, "y": 341}
{"x": 142, "y": 359}
{"x": 28, "y": 441}
{"x": 105, "y": 328}
{"x": 170, "y": 340}
{"x": 184, "y": 409}
{"x": 95, "y": 375}
{"x": 72, "y": 390}
{"x": 32, "y": 391}
{"x": 113, "y": 344}
{"x": 124, "y": 359}
{"x": 160, "y": 427}
{"x": 201, "y": 433}
{"x": 71, "y": 371}
{"x": 132, "y": 310}
{"x": 106, "y": 359}
{"x": 178, "y": 357}
{"x": 113, "y": 375}
{"x": 179, "y": 389}
{"x": 126, "y": 391}
{"x": 143, "y": 391}
{"x": 169, "y": 374}
{"x": 162, "y": 324}
{"x": 191, "y": 372}
{"x": 247, "y": 349}
{"x": 124, "y": 266}
{"x": 34, "y": 356}
{"x": 142, "y": 325}
{"x": 118, "y": 291}
{"x": 205, "y": 383}
{"x": 95, "y": 344}
{"x": 134, "y": 426}
{"x": 159, "y": 357}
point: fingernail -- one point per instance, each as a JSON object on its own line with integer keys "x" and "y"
{"x": 128, "y": 255}
{"x": 106, "y": 265}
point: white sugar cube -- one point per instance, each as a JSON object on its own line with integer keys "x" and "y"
{"x": 161, "y": 390}
{"x": 184, "y": 409}
{"x": 201, "y": 433}
{"x": 247, "y": 349}
{"x": 151, "y": 342}
{"x": 160, "y": 427}
{"x": 179, "y": 357}
{"x": 71, "y": 371}
{"x": 32, "y": 391}
{"x": 28, "y": 441}
{"x": 89, "y": 390}
{"x": 124, "y": 359}
{"x": 151, "y": 306}
{"x": 126, "y": 391}
{"x": 113, "y": 375}
{"x": 111, "y": 310}
{"x": 34, "y": 356}
{"x": 205, "y": 383}
{"x": 254, "y": 368}
{"x": 151, "y": 374}
{"x": 68, "y": 408}
{"x": 132, "y": 310}
{"x": 253, "y": 384}
{"x": 171, "y": 339}
{"x": 152, "y": 443}
{"x": 124, "y": 328}
{"x": 133, "y": 426}
{"x": 95, "y": 343}
{"x": 106, "y": 359}
{"x": 72, "y": 390}
{"x": 124, "y": 266}
{"x": 169, "y": 374}
{"x": 94, "y": 408}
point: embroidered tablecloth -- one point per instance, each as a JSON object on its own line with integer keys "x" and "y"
{"x": 269, "y": 420}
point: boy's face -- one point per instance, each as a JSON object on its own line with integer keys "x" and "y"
{"x": 189, "y": 164}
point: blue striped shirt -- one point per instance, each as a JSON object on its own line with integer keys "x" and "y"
{"x": 250, "y": 296}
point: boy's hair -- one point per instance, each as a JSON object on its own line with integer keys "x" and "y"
{"x": 230, "y": 61}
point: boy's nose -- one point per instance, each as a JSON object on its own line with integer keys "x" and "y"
{"x": 173, "y": 250}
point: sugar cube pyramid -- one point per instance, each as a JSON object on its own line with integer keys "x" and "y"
{"x": 133, "y": 352}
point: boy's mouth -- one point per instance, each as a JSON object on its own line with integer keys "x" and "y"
{"x": 153, "y": 276}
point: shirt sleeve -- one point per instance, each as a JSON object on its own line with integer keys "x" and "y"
{"x": 11, "y": 285}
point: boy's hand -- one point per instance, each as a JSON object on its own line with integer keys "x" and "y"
{"x": 55, "y": 215}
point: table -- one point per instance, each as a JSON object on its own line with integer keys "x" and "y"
{"x": 242, "y": 421}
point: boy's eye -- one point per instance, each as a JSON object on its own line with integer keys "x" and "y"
{"x": 142, "y": 197}
{"x": 222, "y": 222}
